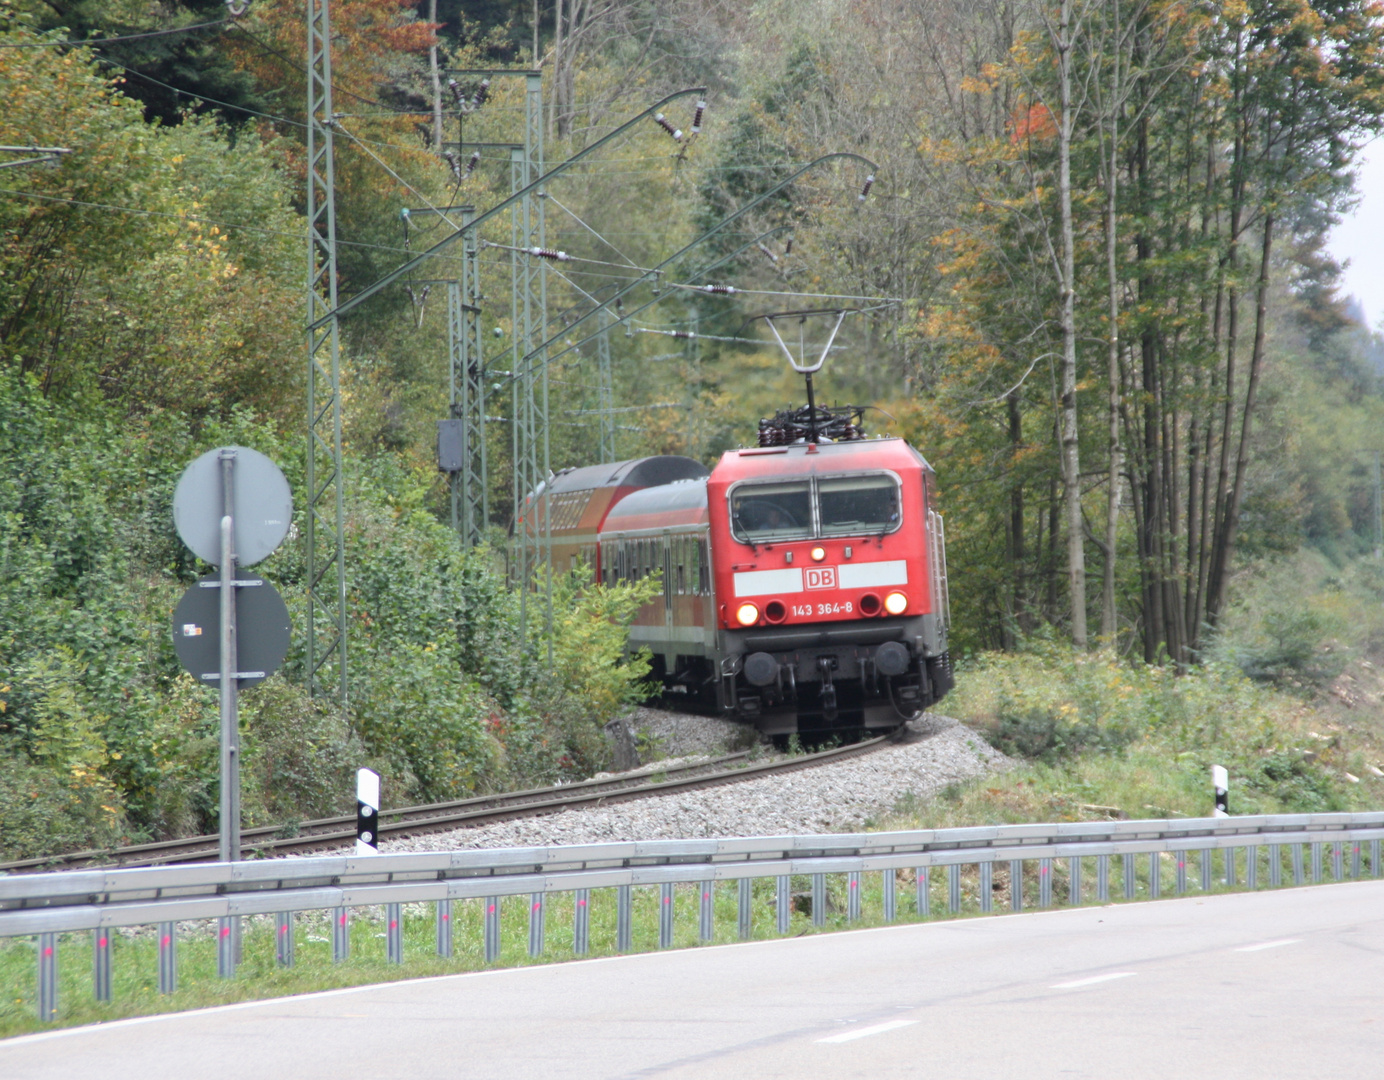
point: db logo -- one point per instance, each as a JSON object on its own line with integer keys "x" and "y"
{"x": 821, "y": 577}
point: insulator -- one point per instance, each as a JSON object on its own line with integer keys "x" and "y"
{"x": 474, "y": 160}
{"x": 697, "y": 118}
{"x": 455, "y": 88}
{"x": 669, "y": 128}
{"x": 725, "y": 290}
{"x": 548, "y": 253}
{"x": 451, "y": 159}
{"x": 788, "y": 247}
{"x": 686, "y": 335}
{"x": 767, "y": 253}
{"x": 869, "y": 183}
{"x": 424, "y": 298}
{"x": 482, "y": 92}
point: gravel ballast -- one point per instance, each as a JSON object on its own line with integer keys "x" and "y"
{"x": 837, "y": 797}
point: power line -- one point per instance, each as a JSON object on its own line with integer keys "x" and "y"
{"x": 124, "y": 37}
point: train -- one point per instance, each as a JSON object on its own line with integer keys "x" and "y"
{"x": 804, "y": 581}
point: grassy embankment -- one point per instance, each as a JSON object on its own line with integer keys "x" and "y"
{"x": 1096, "y": 737}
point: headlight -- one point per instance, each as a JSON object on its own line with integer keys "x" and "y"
{"x": 896, "y": 603}
{"x": 818, "y": 554}
{"x": 747, "y": 614}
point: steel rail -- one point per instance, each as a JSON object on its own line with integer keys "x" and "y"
{"x": 334, "y": 832}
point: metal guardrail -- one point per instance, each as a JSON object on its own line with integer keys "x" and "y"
{"x": 100, "y": 900}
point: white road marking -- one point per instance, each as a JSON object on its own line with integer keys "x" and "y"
{"x": 1268, "y": 944}
{"x": 860, "y": 1033}
{"x": 1094, "y": 979}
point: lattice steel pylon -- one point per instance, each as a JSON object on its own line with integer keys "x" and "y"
{"x": 326, "y": 547}
{"x": 529, "y": 310}
{"x": 466, "y": 391}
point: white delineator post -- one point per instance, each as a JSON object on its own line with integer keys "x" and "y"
{"x": 1220, "y": 779}
{"x": 367, "y": 812}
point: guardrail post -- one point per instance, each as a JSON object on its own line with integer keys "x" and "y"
{"x": 1103, "y": 878}
{"x": 1355, "y": 860}
{"x": 341, "y": 935}
{"x": 1074, "y": 881}
{"x": 889, "y": 901}
{"x": 665, "y": 915}
{"x": 1316, "y": 864}
{"x": 442, "y": 924}
{"x": 706, "y": 922}
{"x": 491, "y": 929}
{"x": 1252, "y": 866}
{"x": 283, "y": 938}
{"x": 581, "y": 922}
{"x": 101, "y": 964}
{"x": 624, "y": 923}
{"x": 924, "y": 893}
{"x": 987, "y": 874}
{"x": 394, "y": 933}
{"x": 1181, "y": 885}
{"x": 1374, "y": 858}
{"x": 1155, "y": 874}
{"x": 783, "y": 904}
{"x": 819, "y": 901}
{"x": 1337, "y": 861}
{"x": 47, "y": 977}
{"x": 853, "y": 896}
{"x": 168, "y": 957}
{"x": 744, "y": 910}
{"x": 225, "y": 947}
{"x": 1275, "y": 865}
{"x": 1204, "y": 859}
{"x": 954, "y": 888}
{"x": 1297, "y": 864}
{"x": 1228, "y": 854}
{"x": 536, "y": 901}
{"x": 1045, "y": 883}
{"x": 1127, "y": 874}
{"x": 1016, "y": 885}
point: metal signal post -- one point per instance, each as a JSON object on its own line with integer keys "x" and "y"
{"x": 326, "y": 545}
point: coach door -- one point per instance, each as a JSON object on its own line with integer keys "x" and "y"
{"x": 669, "y": 590}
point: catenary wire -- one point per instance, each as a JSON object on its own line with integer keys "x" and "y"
{"x": 123, "y": 37}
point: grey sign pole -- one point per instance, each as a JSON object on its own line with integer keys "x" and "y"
{"x": 230, "y": 725}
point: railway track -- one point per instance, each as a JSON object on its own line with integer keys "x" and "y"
{"x": 335, "y": 832}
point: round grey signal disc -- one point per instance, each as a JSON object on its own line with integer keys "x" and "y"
{"x": 262, "y": 630}
{"x": 263, "y": 506}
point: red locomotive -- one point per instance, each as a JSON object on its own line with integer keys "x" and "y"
{"x": 804, "y": 580}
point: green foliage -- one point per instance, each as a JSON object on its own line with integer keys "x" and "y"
{"x": 1141, "y": 738}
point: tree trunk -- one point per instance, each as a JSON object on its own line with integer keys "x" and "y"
{"x": 1071, "y": 464}
{"x": 1112, "y": 359}
{"x": 1226, "y": 550}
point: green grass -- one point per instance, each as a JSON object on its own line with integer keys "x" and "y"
{"x": 134, "y": 956}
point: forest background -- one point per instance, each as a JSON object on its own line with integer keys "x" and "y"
{"x": 1100, "y": 302}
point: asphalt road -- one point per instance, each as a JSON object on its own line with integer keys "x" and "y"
{"x": 1277, "y": 985}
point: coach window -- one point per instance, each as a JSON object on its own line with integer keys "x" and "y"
{"x": 703, "y": 569}
{"x": 763, "y": 513}
{"x": 858, "y": 505}
{"x": 680, "y": 548}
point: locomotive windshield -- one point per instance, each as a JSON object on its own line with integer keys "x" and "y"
{"x": 852, "y": 505}
{"x": 763, "y": 512}
{"x": 860, "y": 504}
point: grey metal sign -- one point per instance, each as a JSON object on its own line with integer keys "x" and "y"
{"x": 262, "y": 630}
{"x": 262, "y": 512}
